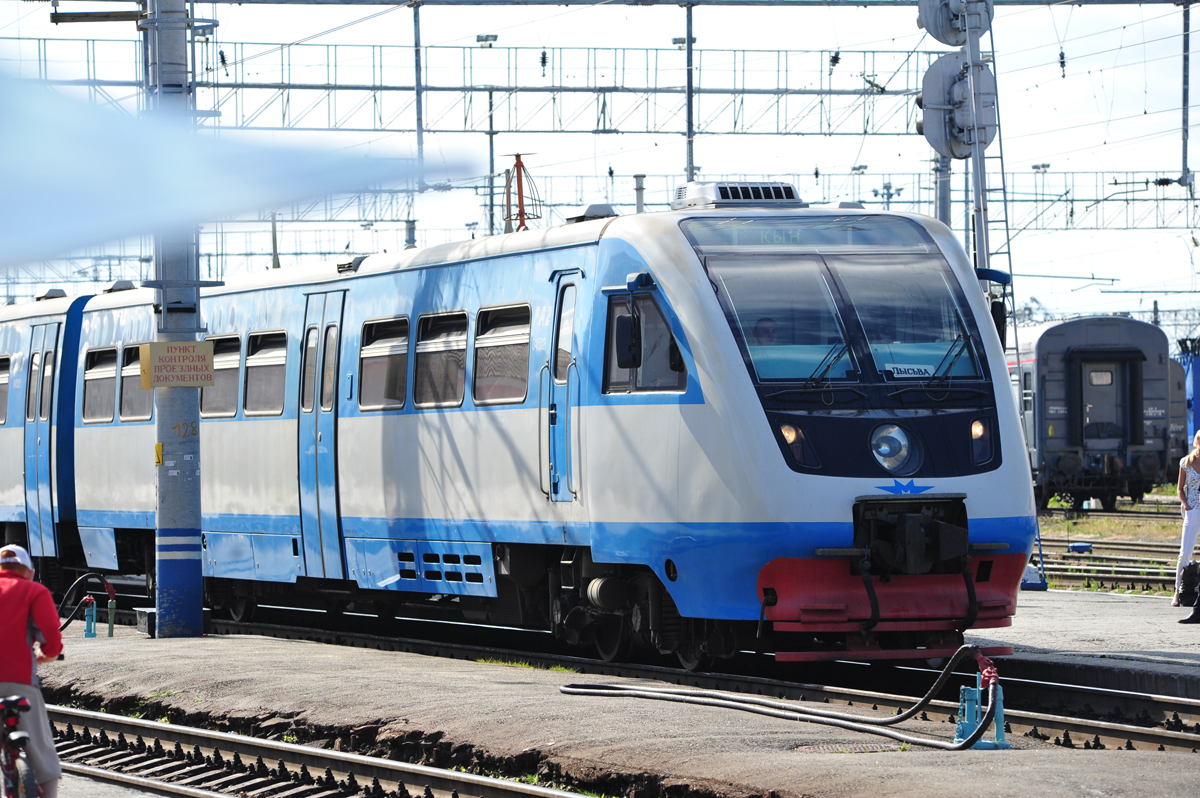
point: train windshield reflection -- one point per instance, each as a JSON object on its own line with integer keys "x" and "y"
{"x": 787, "y": 317}
{"x": 910, "y": 315}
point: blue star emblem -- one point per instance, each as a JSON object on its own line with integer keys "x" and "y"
{"x": 904, "y": 487}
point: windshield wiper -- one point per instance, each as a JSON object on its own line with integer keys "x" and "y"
{"x": 823, "y": 390}
{"x": 833, "y": 355}
{"x": 941, "y": 375}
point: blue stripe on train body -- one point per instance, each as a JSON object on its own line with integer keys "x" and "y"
{"x": 695, "y": 476}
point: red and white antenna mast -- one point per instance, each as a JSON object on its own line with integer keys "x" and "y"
{"x": 529, "y": 204}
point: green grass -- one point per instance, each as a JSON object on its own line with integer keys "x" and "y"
{"x": 532, "y": 666}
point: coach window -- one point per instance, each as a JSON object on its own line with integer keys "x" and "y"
{"x": 221, "y": 398}
{"x": 662, "y": 367}
{"x": 383, "y": 365}
{"x": 308, "y": 372}
{"x": 329, "y": 369}
{"x": 31, "y": 386}
{"x": 501, "y": 372}
{"x": 266, "y": 370}
{"x": 136, "y": 404}
{"x": 4, "y": 367}
{"x": 441, "y": 369}
{"x": 99, "y": 385}
{"x": 48, "y": 384}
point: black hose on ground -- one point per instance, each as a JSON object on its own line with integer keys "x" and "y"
{"x": 792, "y": 711}
{"x": 112, "y": 596}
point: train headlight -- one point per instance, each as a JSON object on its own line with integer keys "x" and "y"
{"x": 895, "y": 450}
{"x": 798, "y": 445}
{"x": 981, "y": 440}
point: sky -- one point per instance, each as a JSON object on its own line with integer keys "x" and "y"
{"x": 1111, "y": 105}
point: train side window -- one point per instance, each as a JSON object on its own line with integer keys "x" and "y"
{"x": 383, "y": 365}
{"x": 31, "y": 385}
{"x": 266, "y": 373}
{"x": 221, "y": 398}
{"x": 566, "y": 332}
{"x": 4, "y": 367}
{"x": 662, "y": 367}
{"x": 308, "y": 379}
{"x": 48, "y": 384}
{"x": 329, "y": 370}
{"x": 1027, "y": 392}
{"x": 136, "y": 404}
{"x": 501, "y": 371}
{"x": 99, "y": 385}
{"x": 440, "y": 376}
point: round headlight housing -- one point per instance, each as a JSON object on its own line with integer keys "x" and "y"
{"x": 895, "y": 449}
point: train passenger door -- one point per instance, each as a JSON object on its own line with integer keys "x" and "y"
{"x": 39, "y": 396}
{"x": 1103, "y": 406}
{"x": 318, "y": 436}
{"x": 564, "y": 387}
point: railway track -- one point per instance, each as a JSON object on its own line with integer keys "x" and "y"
{"x": 1069, "y": 714}
{"x": 1132, "y": 566}
{"x": 201, "y": 763}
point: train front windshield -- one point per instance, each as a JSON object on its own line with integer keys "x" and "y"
{"x": 801, "y": 293}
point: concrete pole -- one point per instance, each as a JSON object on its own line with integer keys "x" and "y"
{"x": 420, "y": 88}
{"x": 179, "y": 588}
{"x": 639, "y": 188}
{"x": 691, "y": 131}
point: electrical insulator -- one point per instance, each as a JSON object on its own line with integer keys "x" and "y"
{"x": 545, "y": 61}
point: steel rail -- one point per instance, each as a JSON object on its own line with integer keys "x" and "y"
{"x": 1022, "y": 721}
{"x": 253, "y": 748}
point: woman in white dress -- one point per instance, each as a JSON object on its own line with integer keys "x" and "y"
{"x": 1189, "y": 500}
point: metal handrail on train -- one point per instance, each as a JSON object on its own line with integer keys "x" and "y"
{"x": 567, "y": 401}
{"x": 541, "y": 460}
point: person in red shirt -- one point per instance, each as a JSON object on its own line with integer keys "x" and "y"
{"x": 29, "y": 636}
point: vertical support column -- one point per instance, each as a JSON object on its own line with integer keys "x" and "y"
{"x": 639, "y": 188}
{"x": 691, "y": 130}
{"x": 942, "y": 173}
{"x": 978, "y": 164}
{"x": 491, "y": 181}
{"x": 179, "y": 593}
{"x": 420, "y": 89}
{"x": 1185, "y": 178}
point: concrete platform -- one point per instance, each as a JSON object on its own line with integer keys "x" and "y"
{"x": 1111, "y": 640}
{"x": 502, "y": 715}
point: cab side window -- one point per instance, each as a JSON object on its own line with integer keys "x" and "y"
{"x": 661, "y": 367}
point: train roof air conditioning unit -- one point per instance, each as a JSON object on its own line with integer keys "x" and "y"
{"x": 736, "y": 195}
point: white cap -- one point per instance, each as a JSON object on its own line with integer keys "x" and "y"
{"x": 13, "y": 554}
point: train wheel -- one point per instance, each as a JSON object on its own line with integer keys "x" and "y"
{"x": 241, "y": 610}
{"x": 691, "y": 661}
{"x": 613, "y": 642}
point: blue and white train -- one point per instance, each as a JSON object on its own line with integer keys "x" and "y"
{"x": 744, "y": 422}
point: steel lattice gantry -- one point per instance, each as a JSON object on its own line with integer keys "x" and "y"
{"x": 373, "y": 88}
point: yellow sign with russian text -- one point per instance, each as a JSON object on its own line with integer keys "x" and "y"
{"x": 177, "y": 364}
